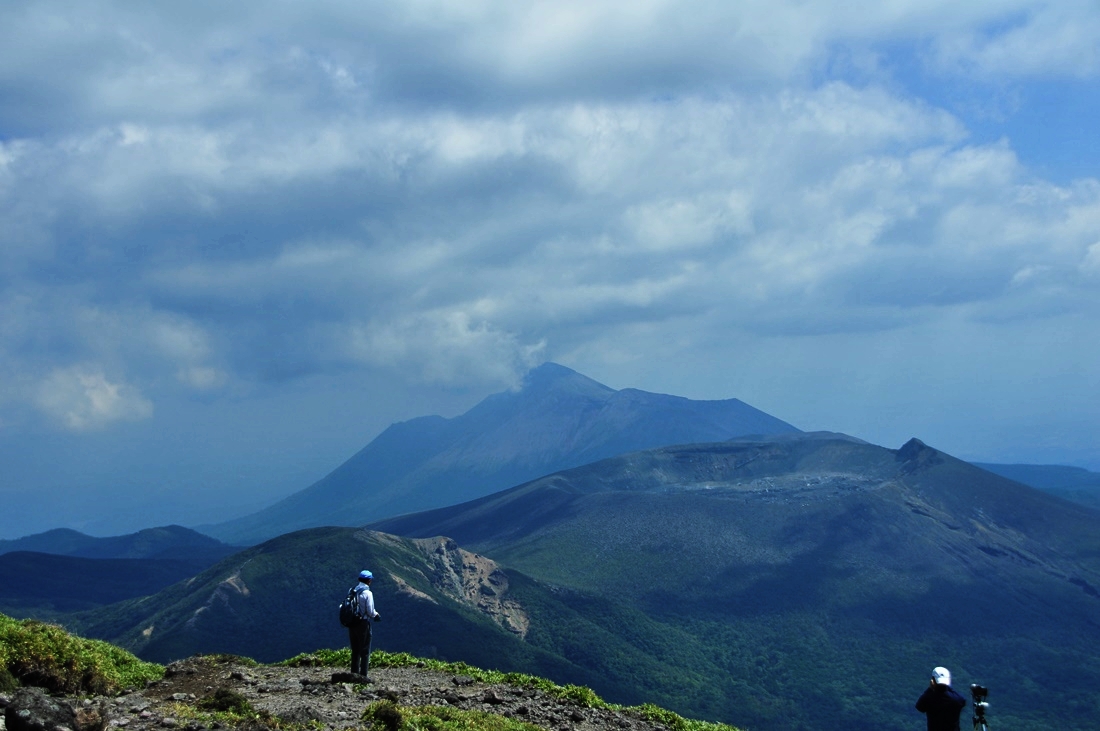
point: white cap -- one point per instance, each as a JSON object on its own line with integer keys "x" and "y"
{"x": 942, "y": 676}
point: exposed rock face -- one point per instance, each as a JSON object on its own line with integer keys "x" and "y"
{"x": 471, "y": 579}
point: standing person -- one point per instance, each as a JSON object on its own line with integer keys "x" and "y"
{"x": 940, "y": 703}
{"x": 359, "y": 630}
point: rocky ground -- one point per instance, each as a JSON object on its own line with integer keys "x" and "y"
{"x": 303, "y": 695}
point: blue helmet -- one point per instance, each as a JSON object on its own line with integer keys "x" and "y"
{"x": 363, "y": 575}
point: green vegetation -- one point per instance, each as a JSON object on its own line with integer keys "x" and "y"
{"x": 226, "y": 700}
{"x": 388, "y": 716}
{"x": 35, "y": 653}
{"x": 238, "y": 713}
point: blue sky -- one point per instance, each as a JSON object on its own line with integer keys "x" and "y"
{"x": 239, "y": 240}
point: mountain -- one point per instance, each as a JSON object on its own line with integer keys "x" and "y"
{"x": 557, "y": 420}
{"x": 803, "y": 581}
{"x": 1070, "y": 483}
{"x": 166, "y": 542}
{"x": 821, "y": 568}
{"x": 63, "y": 570}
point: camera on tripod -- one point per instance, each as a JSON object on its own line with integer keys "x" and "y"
{"x": 979, "y": 693}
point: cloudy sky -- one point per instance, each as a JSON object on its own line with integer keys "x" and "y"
{"x": 237, "y": 240}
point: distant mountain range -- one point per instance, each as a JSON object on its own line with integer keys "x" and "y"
{"x": 802, "y": 581}
{"x": 557, "y": 420}
{"x": 1070, "y": 483}
{"x": 170, "y": 541}
{"x": 63, "y": 571}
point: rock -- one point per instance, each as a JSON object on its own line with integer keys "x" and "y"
{"x": 302, "y": 715}
{"x": 348, "y": 677}
{"x": 31, "y": 709}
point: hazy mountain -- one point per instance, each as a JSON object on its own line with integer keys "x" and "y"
{"x": 64, "y": 570}
{"x": 1071, "y": 483}
{"x": 44, "y": 585}
{"x": 558, "y": 419}
{"x": 167, "y": 542}
{"x": 799, "y": 582}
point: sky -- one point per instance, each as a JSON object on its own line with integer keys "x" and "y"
{"x": 238, "y": 240}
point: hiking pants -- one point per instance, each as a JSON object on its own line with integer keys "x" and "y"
{"x": 359, "y": 634}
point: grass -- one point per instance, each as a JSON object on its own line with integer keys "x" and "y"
{"x": 45, "y": 655}
{"x": 238, "y": 715}
{"x": 388, "y": 716}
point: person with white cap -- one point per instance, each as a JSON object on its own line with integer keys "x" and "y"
{"x": 359, "y": 630}
{"x": 940, "y": 703}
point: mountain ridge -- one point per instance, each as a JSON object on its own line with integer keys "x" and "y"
{"x": 169, "y": 541}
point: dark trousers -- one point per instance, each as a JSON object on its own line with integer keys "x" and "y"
{"x": 359, "y": 634}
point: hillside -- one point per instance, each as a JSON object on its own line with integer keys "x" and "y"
{"x": 557, "y": 420}
{"x": 720, "y": 580}
{"x": 46, "y": 585}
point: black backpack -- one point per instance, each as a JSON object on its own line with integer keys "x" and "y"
{"x": 349, "y": 608}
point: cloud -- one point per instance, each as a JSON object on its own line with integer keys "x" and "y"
{"x": 83, "y": 399}
{"x": 1090, "y": 265}
{"x": 1042, "y": 39}
{"x": 448, "y": 347}
{"x": 203, "y": 198}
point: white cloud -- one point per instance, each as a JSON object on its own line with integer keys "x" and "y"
{"x": 1040, "y": 39}
{"x": 447, "y": 347}
{"x": 81, "y": 398}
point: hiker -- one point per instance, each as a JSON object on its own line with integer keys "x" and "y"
{"x": 940, "y": 703}
{"x": 359, "y": 629}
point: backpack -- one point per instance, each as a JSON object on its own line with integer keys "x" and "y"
{"x": 349, "y": 608}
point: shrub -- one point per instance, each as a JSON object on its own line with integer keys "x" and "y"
{"x": 383, "y": 716}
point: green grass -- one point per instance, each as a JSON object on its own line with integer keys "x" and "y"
{"x": 388, "y": 716}
{"x": 45, "y": 655}
{"x": 238, "y": 715}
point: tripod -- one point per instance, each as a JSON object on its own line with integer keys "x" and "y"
{"x": 979, "y": 694}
